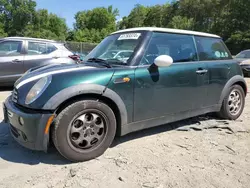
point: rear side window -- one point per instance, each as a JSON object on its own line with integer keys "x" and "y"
{"x": 212, "y": 49}
{"x": 39, "y": 48}
{"x": 10, "y": 48}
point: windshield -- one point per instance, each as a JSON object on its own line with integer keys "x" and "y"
{"x": 245, "y": 54}
{"x": 117, "y": 48}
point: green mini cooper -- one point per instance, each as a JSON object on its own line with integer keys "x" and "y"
{"x": 159, "y": 76}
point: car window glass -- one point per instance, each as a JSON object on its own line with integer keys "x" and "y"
{"x": 50, "y": 48}
{"x": 10, "y": 48}
{"x": 245, "y": 54}
{"x": 38, "y": 48}
{"x": 121, "y": 50}
{"x": 212, "y": 49}
{"x": 248, "y": 54}
{"x": 114, "y": 47}
{"x": 180, "y": 47}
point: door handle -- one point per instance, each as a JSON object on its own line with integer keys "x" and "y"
{"x": 202, "y": 71}
{"x": 16, "y": 61}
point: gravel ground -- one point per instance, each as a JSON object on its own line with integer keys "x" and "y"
{"x": 198, "y": 152}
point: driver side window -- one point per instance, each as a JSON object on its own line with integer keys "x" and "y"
{"x": 178, "y": 46}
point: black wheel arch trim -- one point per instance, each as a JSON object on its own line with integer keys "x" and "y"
{"x": 230, "y": 82}
{"x": 59, "y": 98}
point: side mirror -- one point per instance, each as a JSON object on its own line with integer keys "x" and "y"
{"x": 163, "y": 61}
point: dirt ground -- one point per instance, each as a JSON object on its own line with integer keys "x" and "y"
{"x": 198, "y": 152}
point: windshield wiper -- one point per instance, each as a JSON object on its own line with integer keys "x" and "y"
{"x": 101, "y": 61}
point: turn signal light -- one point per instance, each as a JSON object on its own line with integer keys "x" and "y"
{"x": 50, "y": 120}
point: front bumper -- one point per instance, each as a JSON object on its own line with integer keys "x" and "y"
{"x": 26, "y": 126}
{"x": 245, "y": 70}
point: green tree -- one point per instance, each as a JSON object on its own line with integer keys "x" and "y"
{"x": 179, "y": 22}
{"x": 94, "y": 25}
{"x": 154, "y": 16}
{"x": 48, "y": 26}
{"x": 2, "y": 32}
{"x": 16, "y": 15}
{"x": 98, "y": 18}
{"x": 137, "y": 16}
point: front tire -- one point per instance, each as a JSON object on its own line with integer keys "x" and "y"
{"x": 84, "y": 130}
{"x": 233, "y": 103}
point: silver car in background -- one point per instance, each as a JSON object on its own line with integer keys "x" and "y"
{"x": 19, "y": 54}
{"x": 244, "y": 60}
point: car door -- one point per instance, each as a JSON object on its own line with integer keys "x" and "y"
{"x": 11, "y": 60}
{"x": 39, "y": 53}
{"x": 169, "y": 90}
{"x": 216, "y": 56}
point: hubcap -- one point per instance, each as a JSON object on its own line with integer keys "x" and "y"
{"x": 87, "y": 130}
{"x": 234, "y": 102}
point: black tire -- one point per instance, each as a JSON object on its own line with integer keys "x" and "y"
{"x": 61, "y": 134}
{"x": 225, "y": 112}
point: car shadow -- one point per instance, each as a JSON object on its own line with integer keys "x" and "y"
{"x": 11, "y": 151}
{"x": 162, "y": 128}
{"x": 6, "y": 88}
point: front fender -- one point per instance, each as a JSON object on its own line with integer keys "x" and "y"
{"x": 55, "y": 101}
{"x": 229, "y": 83}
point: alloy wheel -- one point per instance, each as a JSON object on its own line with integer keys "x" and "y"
{"x": 87, "y": 130}
{"x": 234, "y": 102}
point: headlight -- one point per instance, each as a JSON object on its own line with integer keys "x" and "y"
{"x": 245, "y": 62}
{"x": 37, "y": 89}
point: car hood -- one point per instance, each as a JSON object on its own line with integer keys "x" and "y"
{"x": 62, "y": 77}
{"x": 55, "y": 69}
{"x": 243, "y": 61}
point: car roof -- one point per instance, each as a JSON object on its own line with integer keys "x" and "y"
{"x": 28, "y": 38}
{"x": 168, "y": 30}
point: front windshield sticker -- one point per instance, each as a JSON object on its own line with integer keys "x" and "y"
{"x": 217, "y": 54}
{"x": 129, "y": 36}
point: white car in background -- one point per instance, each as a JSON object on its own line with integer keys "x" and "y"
{"x": 244, "y": 60}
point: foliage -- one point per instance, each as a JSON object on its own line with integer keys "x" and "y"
{"x": 19, "y": 18}
{"x": 94, "y": 25}
{"x": 227, "y": 18}
{"x": 179, "y": 22}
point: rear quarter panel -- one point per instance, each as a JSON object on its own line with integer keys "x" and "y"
{"x": 220, "y": 72}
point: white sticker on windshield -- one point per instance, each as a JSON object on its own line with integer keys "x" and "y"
{"x": 133, "y": 36}
{"x": 226, "y": 54}
{"x": 217, "y": 54}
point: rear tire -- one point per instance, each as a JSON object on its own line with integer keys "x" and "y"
{"x": 84, "y": 130}
{"x": 233, "y": 103}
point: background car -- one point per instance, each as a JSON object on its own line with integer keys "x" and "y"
{"x": 244, "y": 61}
{"x": 19, "y": 54}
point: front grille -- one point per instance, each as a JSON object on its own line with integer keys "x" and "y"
{"x": 15, "y": 95}
{"x": 14, "y": 131}
{"x": 17, "y": 133}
